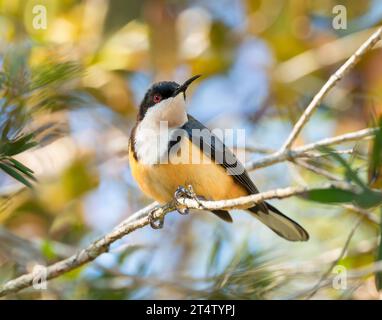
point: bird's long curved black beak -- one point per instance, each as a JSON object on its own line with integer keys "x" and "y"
{"x": 184, "y": 86}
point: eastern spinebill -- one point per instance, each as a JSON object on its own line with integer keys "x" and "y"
{"x": 164, "y": 130}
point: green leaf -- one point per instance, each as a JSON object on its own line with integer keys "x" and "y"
{"x": 365, "y": 199}
{"x": 17, "y": 146}
{"x": 20, "y": 166}
{"x": 368, "y": 199}
{"x": 375, "y": 160}
{"x": 23, "y": 169}
{"x": 9, "y": 170}
{"x": 331, "y": 195}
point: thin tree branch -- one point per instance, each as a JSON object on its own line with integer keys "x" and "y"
{"x": 314, "y": 155}
{"x": 337, "y": 76}
{"x": 253, "y": 199}
{"x": 317, "y": 170}
{"x": 88, "y": 254}
{"x": 141, "y": 219}
{"x": 299, "y": 152}
{"x": 360, "y": 211}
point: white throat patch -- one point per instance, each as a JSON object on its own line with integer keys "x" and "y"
{"x": 155, "y": 131}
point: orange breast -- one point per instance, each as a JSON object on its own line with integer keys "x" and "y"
{"x": 209, "y": 180}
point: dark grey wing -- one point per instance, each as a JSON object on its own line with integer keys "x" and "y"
{"x": 212, "y": 146}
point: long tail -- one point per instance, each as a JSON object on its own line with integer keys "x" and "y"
{"x": 281, "y": 224}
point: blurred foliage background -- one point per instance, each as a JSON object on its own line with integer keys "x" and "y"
{"x": 68, "y": 99}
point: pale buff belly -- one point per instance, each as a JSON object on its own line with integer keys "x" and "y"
{"x": 209, "y": 180}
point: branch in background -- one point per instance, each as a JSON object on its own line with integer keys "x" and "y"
{"x": 363, "y": 212}
{"x": 315, "y": 155}
{"x": 141, "y": 219}
{"x": 317, "y": 170}
{"x": 299, "y": 152}
{"x": 84, "y": 256}
{"x": 337, "y": 76}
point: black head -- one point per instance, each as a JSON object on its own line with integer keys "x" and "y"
{"x": 161, "y": 91}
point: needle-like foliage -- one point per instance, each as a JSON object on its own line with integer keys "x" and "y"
{"x": 24, "y": 91}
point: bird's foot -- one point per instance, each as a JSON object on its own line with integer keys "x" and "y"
{"x": 183, "y": 192}
{"x": 155, "y": 223}
{"x": 179, "y": 193}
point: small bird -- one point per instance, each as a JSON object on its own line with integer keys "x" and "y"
{"x": 163, "y": 141}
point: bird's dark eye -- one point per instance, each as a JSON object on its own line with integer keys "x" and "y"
{"x": 157, "y": 98}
